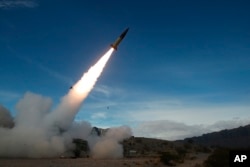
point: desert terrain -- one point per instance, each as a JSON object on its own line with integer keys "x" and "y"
{"x": 89, "y": 162}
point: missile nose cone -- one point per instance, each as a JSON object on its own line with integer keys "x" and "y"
{"x": 124, "y": 33}
{"x": 127, "y": 30}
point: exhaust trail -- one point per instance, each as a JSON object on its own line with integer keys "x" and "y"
{"x": 87, "y": 82}
{"x": 64, "y": 114}
{"x": 38, "y": 131}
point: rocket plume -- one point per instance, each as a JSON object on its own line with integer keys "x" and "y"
{"x": 38, "y": 131}
{"x": 71, "y": 103}
{"x": 87, "y": 82}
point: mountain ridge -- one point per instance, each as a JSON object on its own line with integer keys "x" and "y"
{"x": 231, "y": 138}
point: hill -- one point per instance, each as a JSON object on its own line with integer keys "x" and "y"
{"x": 233, "y": 138}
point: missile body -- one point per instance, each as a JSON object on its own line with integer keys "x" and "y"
{"x": 119, "y": 39}
{"x": 115, "y": 44}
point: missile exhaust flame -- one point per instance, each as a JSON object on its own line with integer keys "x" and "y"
{"x": 64, "y": 114}
{"x": 87, "y": 82}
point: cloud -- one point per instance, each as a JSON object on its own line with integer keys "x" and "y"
{"x": 229, "y": 124}
{"x": 175, "y": 117}
{"x": 102, "y": 92}
{"x": 99, "y": 115}
{"x": 7, "y": 4}
{"x": 189, "y": 110}
{"x": 172, "y": 130}
{"x": 165, "y": 116}
{"x": 102, "y": 89}
{"x": 8, "y": 95}
{"x": 166, "y": 129}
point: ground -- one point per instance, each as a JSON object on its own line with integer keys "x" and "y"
{"x": 89, "y": 162}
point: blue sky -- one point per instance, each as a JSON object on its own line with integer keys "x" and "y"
{"x": 183, "y": 68}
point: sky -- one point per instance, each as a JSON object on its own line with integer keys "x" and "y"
{"x": 182, "y": 70}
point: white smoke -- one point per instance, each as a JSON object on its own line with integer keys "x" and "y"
{"x": 109, "y": 145}
{"x": 30, "y": 137}
{"x": 40, "y": 131}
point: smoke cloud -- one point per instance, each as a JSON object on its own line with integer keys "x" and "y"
{"x": 31, "y": 137}
{"x": 38, "y": 131}
{"x": 109, "y": 145}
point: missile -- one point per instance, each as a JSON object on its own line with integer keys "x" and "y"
{"x": 119, "y": 39}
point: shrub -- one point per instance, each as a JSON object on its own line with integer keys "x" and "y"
{"x": 219, "y": 158}
{"x": 168, "y": 157}
{"x": 181, "y": 151}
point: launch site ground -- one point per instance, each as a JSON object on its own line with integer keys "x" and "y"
{"x": 89, "y": 162}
